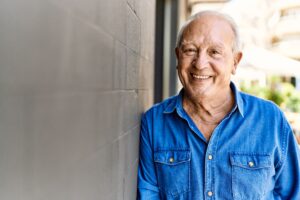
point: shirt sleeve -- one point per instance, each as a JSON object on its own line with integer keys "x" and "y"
{"x": 287, "y": 185}
{"x": 147, "y": 181}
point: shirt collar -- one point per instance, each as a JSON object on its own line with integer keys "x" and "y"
{"x": 177, "y": 101}
{"x": 239, "y": 103}
{"x": 175, "y": 104}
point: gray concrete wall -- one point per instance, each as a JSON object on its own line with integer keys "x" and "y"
{"x": 75, "y": 75}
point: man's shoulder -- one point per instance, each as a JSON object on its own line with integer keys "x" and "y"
{"x": 255, "y": 99}
{"x": 252, "y": 103}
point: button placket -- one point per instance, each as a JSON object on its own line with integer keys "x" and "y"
{"x": 209, "y": 175}
{"x": 210, "y": 164}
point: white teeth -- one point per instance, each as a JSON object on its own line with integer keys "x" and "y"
{"x": 200, "y": 77}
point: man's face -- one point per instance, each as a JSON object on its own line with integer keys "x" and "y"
{"x": 205, "y": 57}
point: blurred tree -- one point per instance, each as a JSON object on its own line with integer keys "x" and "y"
{"x": 282, "y": 93}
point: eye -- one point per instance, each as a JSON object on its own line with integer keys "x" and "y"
{"x": 190, "y": 51}
{"x": 215, "y": 52}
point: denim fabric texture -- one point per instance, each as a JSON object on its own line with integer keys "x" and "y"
{"x": 251, "y": 155}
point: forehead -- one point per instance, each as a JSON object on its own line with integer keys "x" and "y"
{"x": 208, "y": 29}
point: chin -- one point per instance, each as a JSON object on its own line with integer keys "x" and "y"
{"x": 197, "y": 93}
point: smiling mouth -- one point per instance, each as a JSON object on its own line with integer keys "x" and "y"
{"x": 200, "y": 77}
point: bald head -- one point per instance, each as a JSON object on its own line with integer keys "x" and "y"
{"x": 218, "y": 16}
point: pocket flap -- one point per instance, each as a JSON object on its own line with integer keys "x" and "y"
{"x": 172, "y": 157}
{"x": 250, "y": 161}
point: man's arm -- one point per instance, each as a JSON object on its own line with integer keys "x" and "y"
{"x": 287, "y": 185}
{"x": 147, "y": 182}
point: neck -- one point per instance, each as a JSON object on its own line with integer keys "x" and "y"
{"x": 209, "y": 110}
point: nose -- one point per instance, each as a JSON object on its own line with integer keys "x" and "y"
{"x": 201, "y": 60}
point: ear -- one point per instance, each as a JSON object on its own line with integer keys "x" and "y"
{"x": 237, "y": 58}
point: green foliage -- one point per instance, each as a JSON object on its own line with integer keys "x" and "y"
{"x": 293, "y": 103}
{"x": 275, "y": 96}
{"x": 283, "y": 94}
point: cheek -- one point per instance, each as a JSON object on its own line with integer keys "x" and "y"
{"x": 183, "y": 67}
{"x": 185, "y": 62}
{"x": 224, "y": 68}
{"x": 181, "y": 77}
{"x": 182, "y": 74}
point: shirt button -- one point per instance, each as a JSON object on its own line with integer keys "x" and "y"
{"x": 171, "y": 160}
{"x": 251, "y": 164}
{"x": 210, "y": 193}
{"x": 210, "y": 157}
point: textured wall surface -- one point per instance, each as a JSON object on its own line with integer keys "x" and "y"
{"x": 75, "y": 77}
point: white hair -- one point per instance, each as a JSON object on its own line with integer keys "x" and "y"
{"x": 225, "y": 17}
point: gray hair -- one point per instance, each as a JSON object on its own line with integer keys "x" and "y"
{"x": 236, "y": 45}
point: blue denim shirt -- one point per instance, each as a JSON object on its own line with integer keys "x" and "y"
{"x": 251, "y": 155}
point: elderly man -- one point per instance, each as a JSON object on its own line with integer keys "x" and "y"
{"x": 212, "y": 141}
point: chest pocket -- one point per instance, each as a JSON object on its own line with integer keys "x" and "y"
{"x": 251, "y": 173}
{"x": 173, "y": 171}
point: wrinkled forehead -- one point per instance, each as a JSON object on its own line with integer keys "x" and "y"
{"x": 208, "y": 28}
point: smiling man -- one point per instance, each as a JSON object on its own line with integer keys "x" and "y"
{"x": 212, "y": 141}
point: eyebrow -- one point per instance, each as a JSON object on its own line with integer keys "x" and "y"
{"x": 186, "y": 42}
{"x": 215, "y": 44}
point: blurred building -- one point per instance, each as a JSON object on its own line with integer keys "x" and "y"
{"x": 284, "y": 28}
{"x": 284, "y": 32}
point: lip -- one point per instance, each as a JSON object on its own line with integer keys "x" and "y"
{"x": 200, "y": 77}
